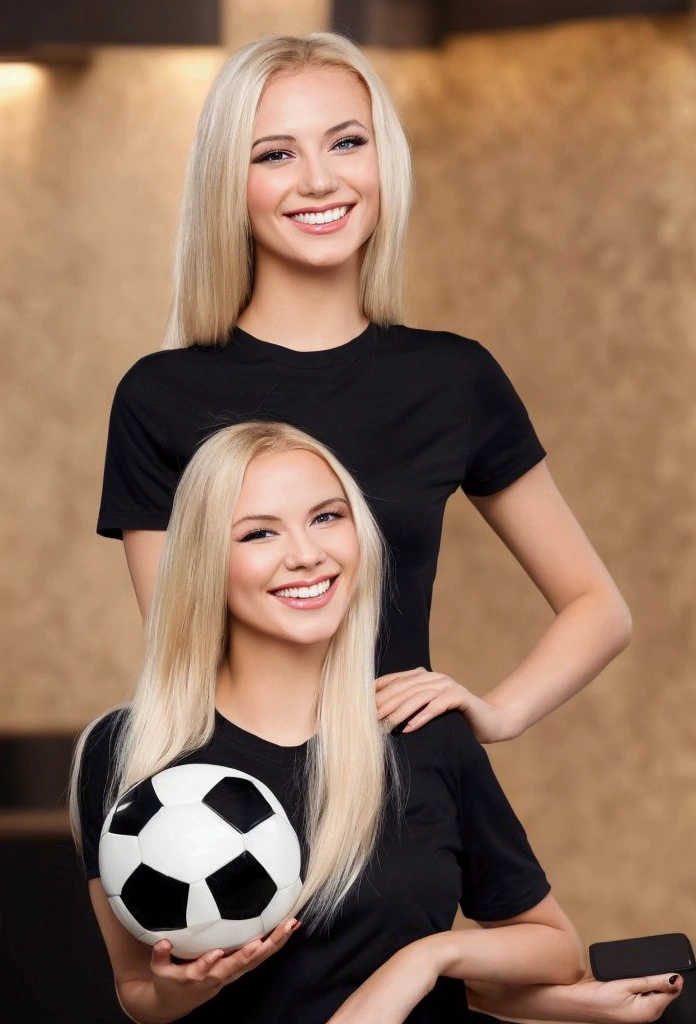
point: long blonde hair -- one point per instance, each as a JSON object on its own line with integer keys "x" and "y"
{"x": 214, "y": 258}
{"x": 350, "y": 761}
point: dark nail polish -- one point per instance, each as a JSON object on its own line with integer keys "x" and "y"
{"x": 673, "y": 979}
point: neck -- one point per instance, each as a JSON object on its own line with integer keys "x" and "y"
{"x": 270, "y": 688}
{"x": 305, "y": 309}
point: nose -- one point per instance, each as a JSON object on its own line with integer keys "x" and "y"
{"x": 303, "y": 552}
{"x": 317, "y": 177}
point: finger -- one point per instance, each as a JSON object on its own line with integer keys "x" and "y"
{"x": 395, "y": 695}
{"x": 433, "y": 709}
{"x": 667, "y": 983}
{"x": 279, "y": 936}
{"x": 254, "y": 953}
{"x": 408, "y": 708}
{"x": 161, "y": 955}
{"x": 414, "y": 697}
{"x": 201, "y": 967}
{"x": 392, "y": 677}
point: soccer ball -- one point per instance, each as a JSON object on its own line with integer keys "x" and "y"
{"x": 201, "y": 855}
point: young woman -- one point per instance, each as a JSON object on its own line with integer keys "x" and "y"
{"x": 260, "y": 655}
{"x": 260, "y": 649}
{"x": 286, "y": 306}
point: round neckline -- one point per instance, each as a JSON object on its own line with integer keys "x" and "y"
{"x": 339, "y": 354}
{"x": 259, "y": 747}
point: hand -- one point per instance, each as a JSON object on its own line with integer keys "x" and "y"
{"x": 389, "y": 995}
{"x": 199, "y": 980}
{"x": 425, "y": 695}
{"x": 628, "y": 1001}
{"x": 632, "y": 1000}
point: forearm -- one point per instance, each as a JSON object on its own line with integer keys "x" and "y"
{"x": 519, "y": 954}
{"x": 143, "y": 1004}
{"x": 582, "y": 639}
{"x": 533, "y": 1002}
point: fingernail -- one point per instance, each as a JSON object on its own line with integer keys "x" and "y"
{"x": 673, "y": 979}
{"x": 295, "y": 926}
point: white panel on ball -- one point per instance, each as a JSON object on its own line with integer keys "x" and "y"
{"x": 201, "y": 908}
{"x": 188, "y": 842}
{"x": 119, "y": 856}
{"x": 271, "y": 843}
{"x": 280, "y": 906}
{"x": 187, "y": 782}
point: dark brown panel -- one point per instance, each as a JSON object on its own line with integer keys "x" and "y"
{"x": 424, "y": 22}
{"x": 35, "y": 23}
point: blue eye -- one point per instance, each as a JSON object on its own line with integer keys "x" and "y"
{"x": 256, "y": 535}
{"x": 350, "y": 142}
{"x": 328, "y": 517}
{"x": 274, "y": 156}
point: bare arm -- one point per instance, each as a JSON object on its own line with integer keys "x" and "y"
{"x": 539, "y": 946}
{"x": 630, "y": 1001}
{"x": 143, "y": 550}
{"x": 591, "y": 625}
{"x": 151, "y": 988}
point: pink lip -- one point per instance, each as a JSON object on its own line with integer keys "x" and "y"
{"x": 321, "y": 229}
{"x": 305, "y": 583}
{"x": 307, "y": 603}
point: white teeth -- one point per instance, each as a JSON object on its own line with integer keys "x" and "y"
{"x": 326, "y": 217}
{"x": 316, "y": 590}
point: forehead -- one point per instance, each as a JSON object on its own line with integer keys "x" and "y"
{"x": 283, "y": 481}
{"x": 323, "y": 96}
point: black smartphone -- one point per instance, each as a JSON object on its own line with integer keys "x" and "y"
{"x": 670, "y": 953}
{"x": 647, "y": 954}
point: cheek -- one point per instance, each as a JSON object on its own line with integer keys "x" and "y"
{"x": 246, "y": 579}
{"x": 350, "y": 556}
{"x": 262, "y": 195}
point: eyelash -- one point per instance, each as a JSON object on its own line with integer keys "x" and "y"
{"x": 265, "y": 158}
{"x": 260, "y": 533}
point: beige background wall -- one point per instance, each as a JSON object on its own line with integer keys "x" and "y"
{"x": 555, "y": 221}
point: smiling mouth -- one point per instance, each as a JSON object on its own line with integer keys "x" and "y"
{"x": 321, "y": 216}
{"x": 303, "y": 593}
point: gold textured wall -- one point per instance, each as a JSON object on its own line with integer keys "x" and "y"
{"x": 555, "y": 221}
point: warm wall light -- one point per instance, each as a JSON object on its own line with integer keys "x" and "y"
{"x": 19, "y": 77}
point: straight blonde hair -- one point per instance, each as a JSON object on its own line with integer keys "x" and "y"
{"x": 214, "y": 254}
{"x": 351, "y": 761}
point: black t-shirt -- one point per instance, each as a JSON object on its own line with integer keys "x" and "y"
{"x": 458, "y": 842}
{"x": 412, "y": 414}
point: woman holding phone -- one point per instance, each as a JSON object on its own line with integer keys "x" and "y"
{"x": 286, "y": 306}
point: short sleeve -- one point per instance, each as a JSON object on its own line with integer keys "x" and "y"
{"x": 503, "y": 442}
{"x": 94, "y": 777}
{"x": 501, "y": 876}
{"x": 141, "y": 471}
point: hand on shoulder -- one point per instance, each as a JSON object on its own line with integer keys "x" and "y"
{"x": 417, "y": 696}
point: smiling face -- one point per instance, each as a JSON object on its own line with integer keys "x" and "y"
{"x": 313, "y": 183}
{"x": 294, "y": 551}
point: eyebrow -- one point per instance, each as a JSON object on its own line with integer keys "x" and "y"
{"x": 264, "y": 518}
{"x": 329, "y": 131}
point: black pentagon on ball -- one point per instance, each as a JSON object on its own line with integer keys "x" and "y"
{"x": 135, "y": 808}
{"x": 239, "y": 803}
{"x": 156, "y": 901}
{"x": 242, "y": 888}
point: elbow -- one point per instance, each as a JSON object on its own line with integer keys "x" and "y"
{"x": 621, "y": 624}
{"x": 572, "y": 966}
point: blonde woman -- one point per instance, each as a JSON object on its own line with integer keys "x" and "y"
{"x": 287, "y": 306}
{"x": 244, "y": 668}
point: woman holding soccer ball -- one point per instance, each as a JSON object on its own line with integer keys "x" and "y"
{"x": 259, "y": 656}
{"x": 286, "y": 307}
